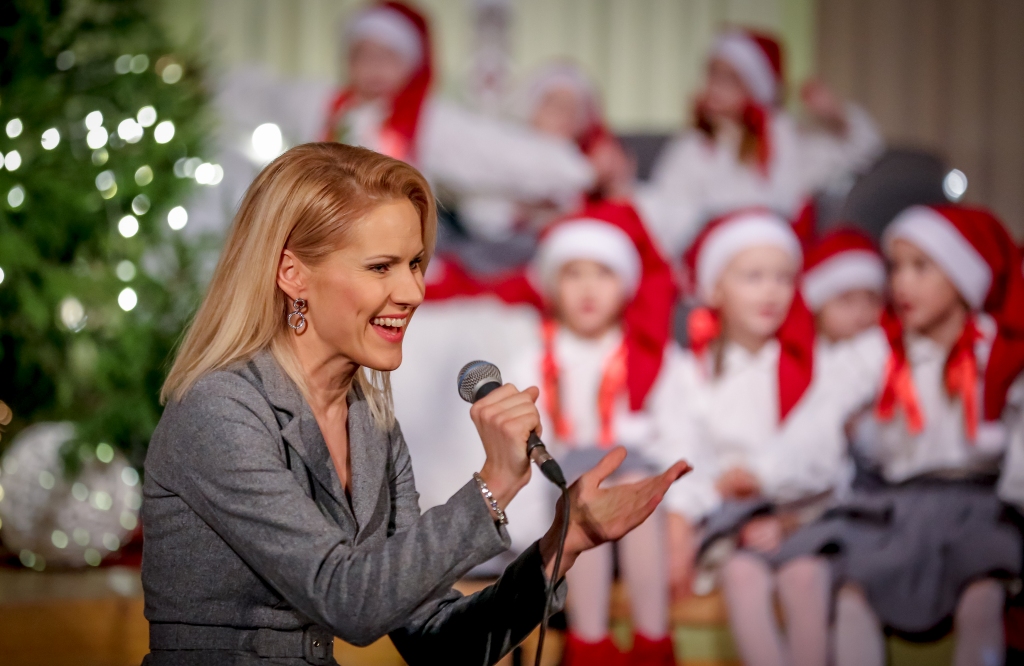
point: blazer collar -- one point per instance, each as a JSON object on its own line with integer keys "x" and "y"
{"x": 368, "y": 443}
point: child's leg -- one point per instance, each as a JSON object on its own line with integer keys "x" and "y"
{"x": 590, "y": 587}
{"x": 979, "y": 625}
{"x": 644, "y": 569}
{"x": 748, "y": 586}
{"x": 859, "y": 637}
{"x": 804, "y": 591}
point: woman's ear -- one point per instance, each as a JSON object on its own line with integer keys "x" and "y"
{"x": 292, "y": 275}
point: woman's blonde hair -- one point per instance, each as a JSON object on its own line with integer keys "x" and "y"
{"x": 305, "y": 201}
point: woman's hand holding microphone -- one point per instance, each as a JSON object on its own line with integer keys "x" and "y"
{"x": 504, "y": 419}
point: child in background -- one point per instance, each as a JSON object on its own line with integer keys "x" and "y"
{"x": 601, "y": 364}
{"x": 759, "y": 419}
{"x": 745, "y": 150}
{"x": 844, "y": 284}
{"x": 947, "y": 434}
{"x": 559, "y": 101}
{"x": 387, "y": 106}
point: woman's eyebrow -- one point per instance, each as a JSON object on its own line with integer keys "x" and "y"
{"x": 383, "y": 259}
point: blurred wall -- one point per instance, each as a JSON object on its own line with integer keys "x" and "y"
{"x": 646, "y": 55}
{"x": 945, "y": 75}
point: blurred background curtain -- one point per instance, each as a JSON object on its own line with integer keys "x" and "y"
{"x": 943, "y": 75}
{"x": 646, "y": 55}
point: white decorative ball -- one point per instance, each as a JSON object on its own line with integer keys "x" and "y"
{"x": 52, "y": 520}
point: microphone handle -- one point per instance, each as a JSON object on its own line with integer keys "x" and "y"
{"x": 539, "y": 455}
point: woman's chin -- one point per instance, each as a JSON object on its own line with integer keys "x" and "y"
{"x": 383, "y": 362}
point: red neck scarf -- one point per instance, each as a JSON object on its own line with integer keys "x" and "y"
{"x": 796, "y": 348}
{"x": 960, "y": 378}
{"x": 613, "y": 385}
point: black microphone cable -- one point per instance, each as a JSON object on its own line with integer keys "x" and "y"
{"x": 475, "y": 380}
{"x": 566, "y": 511}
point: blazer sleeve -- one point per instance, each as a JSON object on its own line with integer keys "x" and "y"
{"x": 476, "y": 629}
{"x": 229, "y": 468}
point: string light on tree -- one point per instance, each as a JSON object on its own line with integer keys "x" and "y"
{"x": 177, "y": 218}
{"x": 125, "y": 270}
{"x": 140, "y": 204}
{"x": 14, "y": 127}
{"x": 50, "y": 139}
{"x": 16, "y": 197}
{"x": 129, "y": 130}
{"x": 164, "y": 132}
{"x": 128, "y": 226}
{"x": 143, "y": 175}
{"x": 146, "y": 116}
{"x": 12, "y": 160}
{"x": 127, "y": 299}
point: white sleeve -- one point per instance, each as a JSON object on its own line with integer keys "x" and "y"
{"x": 472, "y": 153}
{"x": 826, "y": 157}
{"x": 669, "y": 203}
{"x": 1011, "y": 480}
{"x": 679, "y": 435}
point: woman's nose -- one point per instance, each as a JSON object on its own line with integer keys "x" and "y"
{"x": 409, "y": 288}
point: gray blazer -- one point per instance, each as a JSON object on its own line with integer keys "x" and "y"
{"x": 254, "y": 554}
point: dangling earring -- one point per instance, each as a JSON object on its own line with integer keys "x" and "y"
{"x": 297, "y": 305}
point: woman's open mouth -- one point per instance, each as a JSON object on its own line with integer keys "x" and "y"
{"x": 391, "y": 329}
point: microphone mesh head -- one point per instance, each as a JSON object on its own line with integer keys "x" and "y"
{"x": 474, "y": 375}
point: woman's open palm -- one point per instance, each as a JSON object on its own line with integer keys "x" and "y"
{"x": 598, "y": 515}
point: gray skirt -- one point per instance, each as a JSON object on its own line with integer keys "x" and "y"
{"x": 913, "y": 548}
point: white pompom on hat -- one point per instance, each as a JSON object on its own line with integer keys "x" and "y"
{"x": 389, "y": 27}
{"x": 590, "y": 239}
{"x": 728, "y": 236}
{"x": 757, "y": 58}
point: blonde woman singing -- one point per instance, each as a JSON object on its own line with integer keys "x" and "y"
{"x": 280, "y": 508}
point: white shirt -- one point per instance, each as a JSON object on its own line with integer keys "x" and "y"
{"x": 697, "y": 178}
{"x": 732, "y": 420}
{"x": 473, "y": 156}
{"x": 582, "y": 363}
{"x": 942, "y": 445}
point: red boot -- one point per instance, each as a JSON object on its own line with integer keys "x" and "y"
{"x": 579, "y": 652}
{"x": 647, "y": 652}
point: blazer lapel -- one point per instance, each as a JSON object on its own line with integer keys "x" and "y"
{"x": 368, "y": 452}
{"x": 299, "y": 428}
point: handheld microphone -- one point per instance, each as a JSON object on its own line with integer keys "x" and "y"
{"x": 479, "y": 378}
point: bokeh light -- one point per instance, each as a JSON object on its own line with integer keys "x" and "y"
{"x": 177, "y": 218}
{"x": 127, "y": 299}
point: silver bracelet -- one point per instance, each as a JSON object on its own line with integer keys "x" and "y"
{"x": 489, "y": 498}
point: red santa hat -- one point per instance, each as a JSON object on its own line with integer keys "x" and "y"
{"x": 586, "y": 238}
{"x": 613, "y": 234}
{"x": 403, "y": 29}
{"x": 983, "y": 262}
{"x": 843, "y": 260}
{"x": 724, "y": 238}
{"x": 757, "y": 58}
{"x": 719, "y": 242}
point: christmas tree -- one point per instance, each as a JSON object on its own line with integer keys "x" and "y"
{"x": 103, "y": 124}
